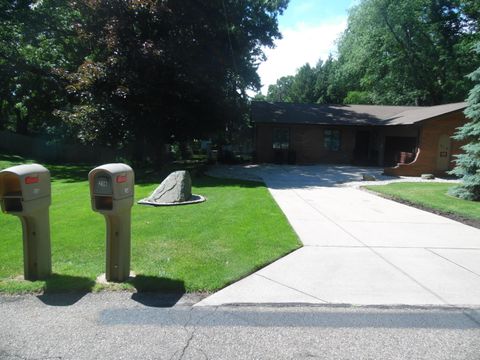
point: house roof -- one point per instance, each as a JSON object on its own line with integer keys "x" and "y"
{"x": 319, "y": 114}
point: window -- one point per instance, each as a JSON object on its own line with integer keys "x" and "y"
{"x": 331, "y": 140}
{"x": 281, "y": 138}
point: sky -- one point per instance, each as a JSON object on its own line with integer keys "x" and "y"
{"x": 309, "y": 29}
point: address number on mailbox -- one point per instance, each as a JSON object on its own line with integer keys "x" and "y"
{"x": 103, "y": 185}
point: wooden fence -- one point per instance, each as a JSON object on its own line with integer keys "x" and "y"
{"x": 39, "y": 148}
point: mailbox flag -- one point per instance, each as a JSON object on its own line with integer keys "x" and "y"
{"x": 121, "y": 179}
{"x": 32, "y": 180}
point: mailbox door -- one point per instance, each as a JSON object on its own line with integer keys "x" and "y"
{"x": 102, "y": 191}
{"x": 11, "y": 193}
{"x": 102, "y": 184}
{"x": 30, "y": 182}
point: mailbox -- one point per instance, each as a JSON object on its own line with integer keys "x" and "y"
{"x": 25, "y": 191}
{"x": 111, "y": 193}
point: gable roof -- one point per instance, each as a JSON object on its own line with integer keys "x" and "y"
{"x": 322, "y": 114}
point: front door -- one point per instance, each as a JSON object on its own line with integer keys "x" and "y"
{"x": 362, "y": 147}
{"x": 443, "y": 153}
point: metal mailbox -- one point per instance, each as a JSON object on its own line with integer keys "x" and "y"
{"x": 25, "y": 191}
{"x": 111, "y": 193}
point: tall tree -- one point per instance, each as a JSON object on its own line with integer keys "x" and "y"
{"x": 411, "y": 51}
{"x": 468, "y": 164}
{"x": 35, "y": 38}
{"x": 281, "y": 90}
{"x": 167, "y": 70}
{"x": 330, "y": 87}
{"x": 303, "y": 85}
{"x": 319, "y": 84}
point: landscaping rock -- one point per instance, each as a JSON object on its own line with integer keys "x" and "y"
{"x": 428, "y": 176}
{"x": 176, "y": 189}
{"x": 367, "y": 177}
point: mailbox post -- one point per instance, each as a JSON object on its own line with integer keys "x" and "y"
{"x": 25, "y": 191}
{"x": 111, "y": 192}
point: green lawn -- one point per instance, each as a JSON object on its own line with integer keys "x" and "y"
{"x": 430, "y": 195}
{"x": 200, "y": 247}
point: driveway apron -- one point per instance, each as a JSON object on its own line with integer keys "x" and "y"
{"x": 359, "y": 248}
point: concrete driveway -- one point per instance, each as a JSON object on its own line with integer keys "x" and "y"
{"x": 358, "y": 248}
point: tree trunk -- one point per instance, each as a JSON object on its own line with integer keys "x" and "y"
{"x": 3, "y": 116}
{"x": 22, "y": 123}
{"x": 160, "y": 155}
{"x": 139, "y": 153}
{"x": 185, "y": 151}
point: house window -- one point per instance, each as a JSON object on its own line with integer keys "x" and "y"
{"x": 331, "y": 140}
{"x": 281, "y": 138}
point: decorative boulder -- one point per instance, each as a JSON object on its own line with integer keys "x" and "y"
{"x": 176, "y": 189}
{"x": 428, "y": 176}
{"x": 367, "y": 177}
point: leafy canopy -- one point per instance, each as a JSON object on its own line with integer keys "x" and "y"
{"x": 409, "y": 52}
{"x": 131, "y": 72}
{"x": 161, "y": 71}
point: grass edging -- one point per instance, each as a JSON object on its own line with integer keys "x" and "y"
{"x": 447, "y": 214}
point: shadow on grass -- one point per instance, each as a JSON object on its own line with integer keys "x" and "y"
{"x": 150, "y": 175}
{"x": 156, "y": 291}
{"x": 208, "y": 181}
{"x": 70, "y": 173}
{"x": 56, "y": 287}
{"x": 66, "y": 172}
{"x": 146, "y": 176}
{"x": 12, "y": 158}
{"x": 205, "y": 182}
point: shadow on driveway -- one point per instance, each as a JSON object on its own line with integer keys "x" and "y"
{"x": 299, "y": 177}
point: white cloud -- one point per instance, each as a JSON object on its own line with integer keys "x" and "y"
{"x": 303, "y": 7}
{"x": 302, "y": 44}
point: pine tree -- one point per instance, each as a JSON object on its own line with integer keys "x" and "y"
{"x": 468, "y": 164}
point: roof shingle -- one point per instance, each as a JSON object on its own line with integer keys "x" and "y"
{"x": 290, "y": 113}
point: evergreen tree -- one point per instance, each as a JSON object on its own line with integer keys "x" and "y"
{"x": 468, "y": 164}
{"x": 303, "y": 85}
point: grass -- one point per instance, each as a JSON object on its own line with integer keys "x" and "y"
{"x": 431, "y": 196}
{"x": 193, "y": 248}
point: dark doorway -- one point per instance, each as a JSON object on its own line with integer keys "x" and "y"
{"x": 362, "y": 147}
{"x": 364, "y": 153}
{"x": 280, "y": 156}
{"x": 280, "y": 144}
{"x": 396, "y": 147}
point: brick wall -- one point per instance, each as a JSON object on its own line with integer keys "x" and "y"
{"x": 430, "y": 133}
{"x": 310, "y": 149}
{"x": 307, "y": 143}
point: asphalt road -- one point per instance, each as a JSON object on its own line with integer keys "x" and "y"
{"x": 141, "y": 326}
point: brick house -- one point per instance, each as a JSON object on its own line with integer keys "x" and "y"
{"x": 406, "y": 140}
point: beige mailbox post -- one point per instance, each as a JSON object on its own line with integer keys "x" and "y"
{"x": 111, "y": 191}
{"x": 25, "y": 191}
